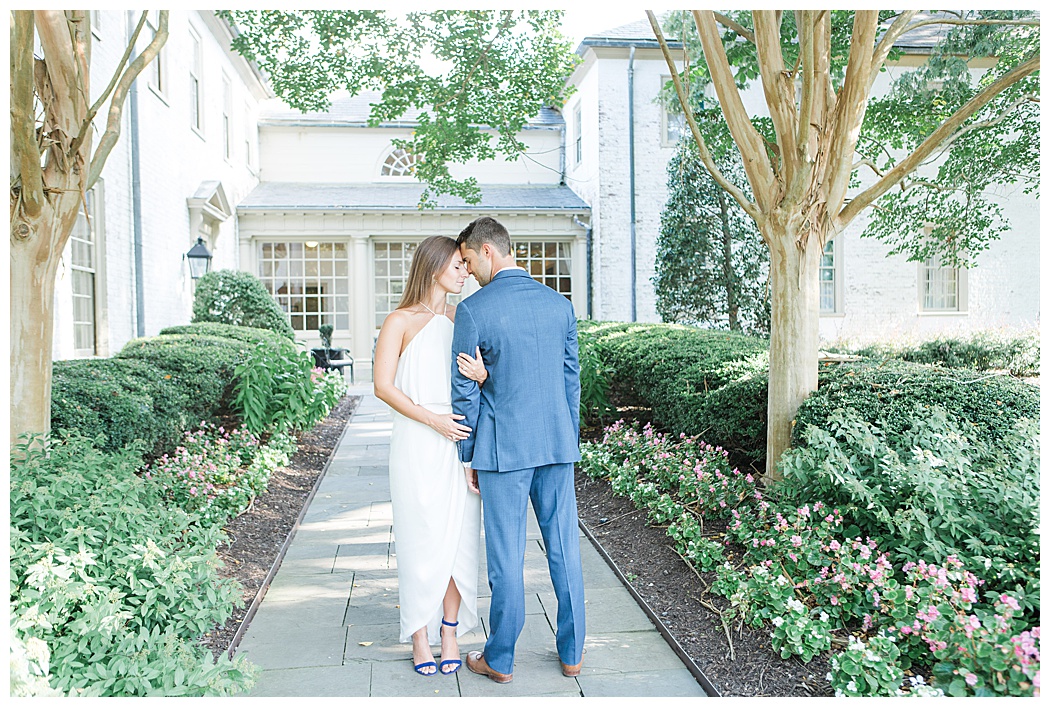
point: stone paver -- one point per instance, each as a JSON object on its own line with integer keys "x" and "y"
{"x": 329, "y": 625}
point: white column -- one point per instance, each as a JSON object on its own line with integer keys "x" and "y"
{"x": 361, "y": 324}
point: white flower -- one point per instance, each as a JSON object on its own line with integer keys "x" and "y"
{"x": 796, "y": 605}
{"x": 778, "y": 621}
{"x": 824, "y": 616}
{"x": 851, "y": 686}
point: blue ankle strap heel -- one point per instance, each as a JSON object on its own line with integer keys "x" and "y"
{"x": 457, "y": 663}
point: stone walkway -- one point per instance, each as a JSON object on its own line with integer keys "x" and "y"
{"x": 328, "y": 625}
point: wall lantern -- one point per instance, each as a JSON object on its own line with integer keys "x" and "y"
{"x": 200, "y": 259}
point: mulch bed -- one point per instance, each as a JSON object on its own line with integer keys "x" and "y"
{"x": 254, "y": 538}
{"x": 739, "y": 661}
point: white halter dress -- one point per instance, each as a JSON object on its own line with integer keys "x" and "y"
{"x": 437, "y": 520}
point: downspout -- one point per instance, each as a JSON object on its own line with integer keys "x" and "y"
{"x": 630, "y": 138}
{"x": 590, "y": 271}
{"x": 136, "y": 198}
{"x": 561, "y": 157}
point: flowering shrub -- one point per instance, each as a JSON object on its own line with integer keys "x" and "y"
{"x": 807, "y": 573}
{"x": 977, "y": 649}
{"x": 929, "y": 490}
{"x": 216, "y": 473}
{"x": 118, "y": 586}
{"x": 867, "y": 669}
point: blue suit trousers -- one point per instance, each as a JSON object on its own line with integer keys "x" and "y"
{"x": 504, "y": 497}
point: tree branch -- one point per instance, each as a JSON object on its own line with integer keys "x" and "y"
{"x": 950, "y": 126}
{"x": 116, "y": 105}
{"x": 885, "y": 45}
{"x": 705, "y": 153}
{"x": 738, "y": 28}
{"x": 25, "y": 150}
{"x": 1027, "y": 98}
{"x": 93, "y": 111}
{"x": 851, "y": 106}
{"x": 748, "y": 141}
{"x": 779, "y": 90}
{"x": 807, "y": 62}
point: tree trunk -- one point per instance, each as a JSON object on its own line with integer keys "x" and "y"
{"x": 794, "y": 283}
{"x": 32, "y": 326}
{"x": 727, "y": 263}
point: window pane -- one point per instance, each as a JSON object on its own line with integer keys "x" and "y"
{"x": 309, "y": 288}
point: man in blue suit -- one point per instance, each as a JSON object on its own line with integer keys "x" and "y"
{"x": 525, "y": 419}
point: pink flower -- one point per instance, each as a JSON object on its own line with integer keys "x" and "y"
{"x": 971, "y": 679}
{"x": 1010, "y": 602}
{"x": 834, "y": 601}
{"x": 796, "y": 540}
{"x": 834, "y": 545}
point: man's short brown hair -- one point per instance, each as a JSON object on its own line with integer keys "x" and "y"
{"x": 485, "y": 230}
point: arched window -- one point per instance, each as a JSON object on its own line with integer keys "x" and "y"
{"x": 400, "y": 163}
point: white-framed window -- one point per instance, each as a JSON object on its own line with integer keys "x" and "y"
{"x": 941, "y": 288}
{"x": 309, "y": 279}
{"x": 548, "y": 261}
{"x": 577, "y": 127}
{"x": 831, "y": 278}
{"x": 399, "y": 163}
{"x": 248, "y": 156}
{"x": 227, "y": 117}
{"x": 157, "y": 69}
{"x": 390, "y": 263}
{"x": 672, "y": 120}
{"x": 196, "y": 83}
{"x": 95, "y": 18}
{"x": 84, "y": 262}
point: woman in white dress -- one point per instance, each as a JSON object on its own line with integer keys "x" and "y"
{"x": 437, "y": 521}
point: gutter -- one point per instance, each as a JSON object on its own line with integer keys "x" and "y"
{"x": 136, "y": 199}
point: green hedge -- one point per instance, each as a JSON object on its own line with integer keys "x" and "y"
{"x": 980, "y": 351}
{"x": 247, "y": 334}
{"x": 117, "y": 401}
{"x": 239, "y": 298}
{"x": 201, "y": 365}
{"x": 714, "y": 384}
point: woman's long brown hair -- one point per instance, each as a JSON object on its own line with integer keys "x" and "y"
{"x": 431, "y": 257}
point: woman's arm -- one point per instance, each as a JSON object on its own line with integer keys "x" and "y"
{"x": 388, "y": 351}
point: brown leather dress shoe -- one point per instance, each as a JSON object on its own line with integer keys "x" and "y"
{"x": 476, "y": 664}
{"x": 571, "y": 671}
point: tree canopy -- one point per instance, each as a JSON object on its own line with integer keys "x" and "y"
{"x": 821, "y": 158}
{"x": 464, "y": 71}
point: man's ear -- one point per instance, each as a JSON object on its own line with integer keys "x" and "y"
{"x": 486, "y": 250}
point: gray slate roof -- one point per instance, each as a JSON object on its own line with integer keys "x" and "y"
{"x": 353, "y": 111}
{"x": 300, "y": 196}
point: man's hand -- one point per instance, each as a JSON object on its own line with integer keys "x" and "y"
{"x": 472, "y": 479}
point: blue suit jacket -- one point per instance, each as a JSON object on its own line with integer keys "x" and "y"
{"x": 527, "y": 413}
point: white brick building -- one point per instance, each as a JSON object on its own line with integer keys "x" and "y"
{"x": 865, "y": 294}
{"x": 325, "y": 210}
{"x": 187, "y": 153}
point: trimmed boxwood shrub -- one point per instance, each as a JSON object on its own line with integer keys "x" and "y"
{"x": 116, "y": 401}
{"x": 239, "y": 298}
{"x": 980, "y": 351}
{"x": 247, "y": 334}
{"x": 886, "y": 393}
{"x": 202, "y": 366}
{"x": 714, "y": 384}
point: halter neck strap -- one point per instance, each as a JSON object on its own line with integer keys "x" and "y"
{"x": 443, "y": 311}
